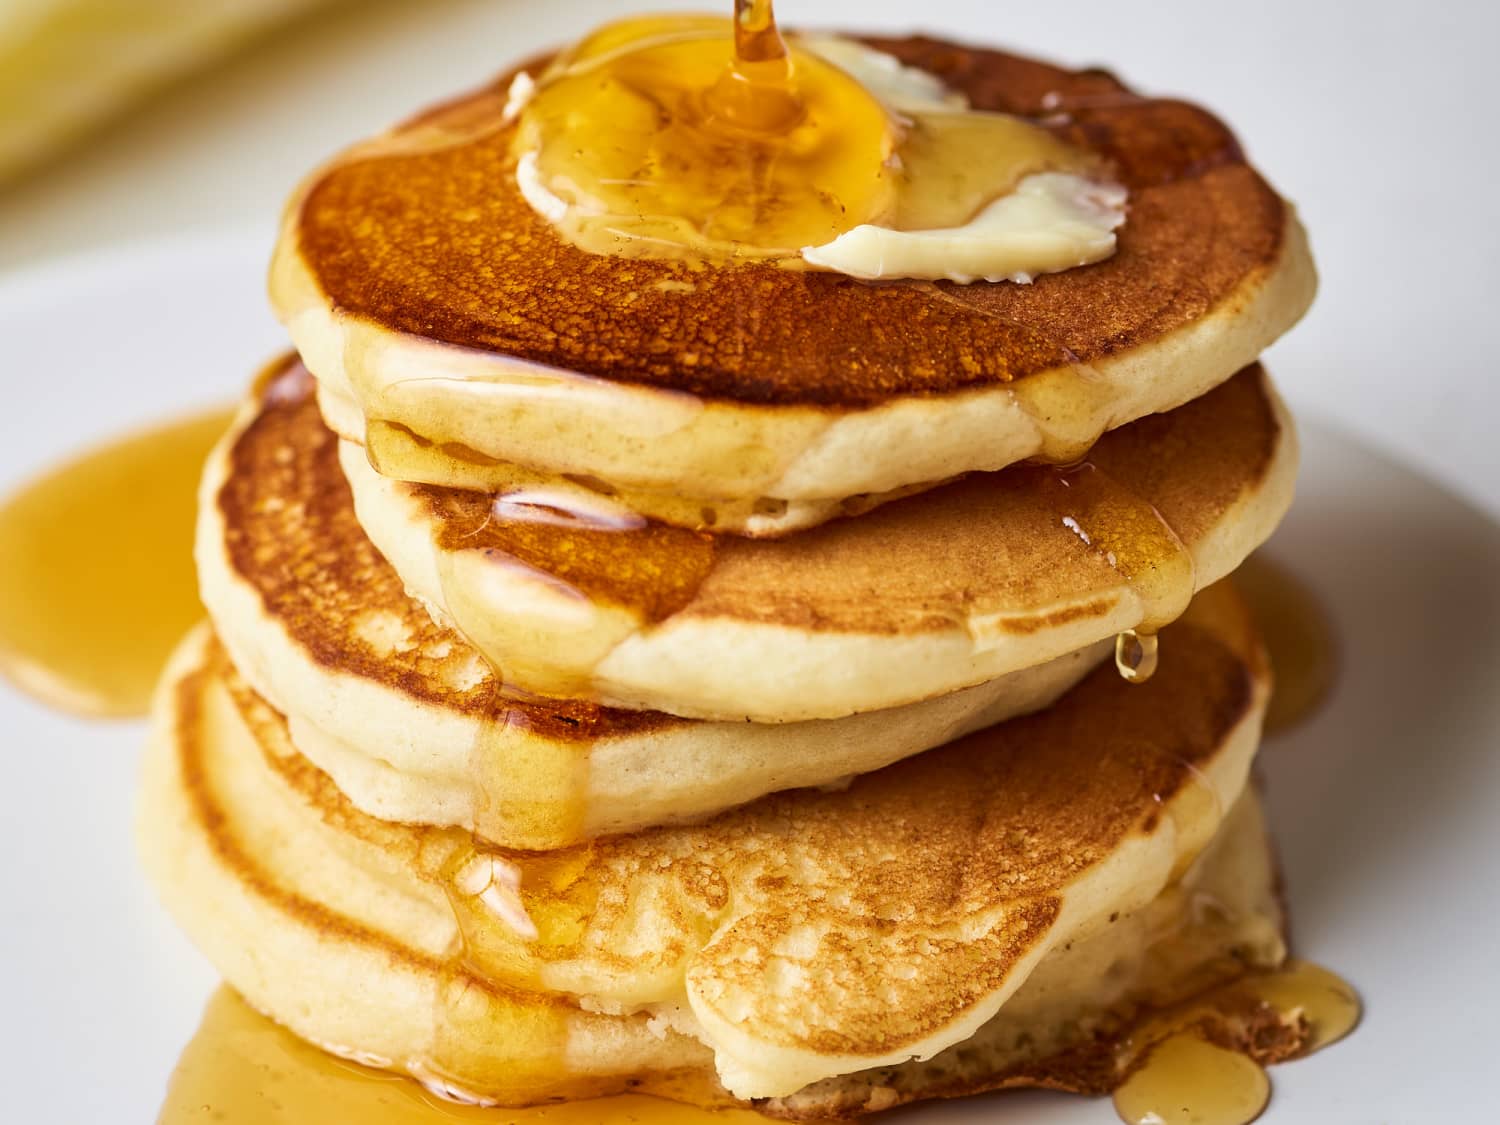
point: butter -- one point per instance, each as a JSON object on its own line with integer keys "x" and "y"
{"x": 887, "y": 174}
{"x": 1053, "y": 221}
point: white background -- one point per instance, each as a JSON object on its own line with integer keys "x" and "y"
{"x": 1377, "y": 118}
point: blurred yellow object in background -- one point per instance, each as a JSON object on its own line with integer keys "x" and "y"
{"x": 66, "y": 65}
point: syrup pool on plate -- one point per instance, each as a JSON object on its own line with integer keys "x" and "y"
{"x": 96, "y": 569}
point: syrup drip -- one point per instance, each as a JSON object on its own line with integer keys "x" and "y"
{"x": 96, "y": 563}
{"x": 597, "y": 584}
{"x": 1131, "y": 535}
{"x": 536, "y": 795}
{"x": 595, "y": 576}
{"x": 502, "y": 925}
{"x": 1183, "y": 1078}
{"x": 1299, "y": 639}
{"x": 1136, "y": 655}
{"x": 756, "y": 92}
{"x": 597, "y": 580}
{"x": 242, "y": 1069}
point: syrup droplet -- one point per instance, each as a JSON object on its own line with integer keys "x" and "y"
{"x": 242, "y": 1069}
{"x": 96, "y": 565}
{"x": 1130, "y": 534}
{"x": 1135, "y": 655}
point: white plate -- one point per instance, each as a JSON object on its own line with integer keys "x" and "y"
{"x": 1386, "y": 804}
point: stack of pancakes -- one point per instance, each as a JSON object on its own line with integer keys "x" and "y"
{"x": 686, "y": 677}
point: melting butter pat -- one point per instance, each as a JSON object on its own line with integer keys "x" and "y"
{"x": 1052, "y": 221}
{"x": 888, "y": 173}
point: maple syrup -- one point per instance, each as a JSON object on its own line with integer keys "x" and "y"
{"x": 664, "y": 136}
{"x": 96, "y": 562}
{"x": 242, "y": 1069}
{"x": 1183, "y": 1078}
{"x": 1186, "y": 1080}
{"x": 537, "y": 795}
{"x": 616, "y": 572}
{"x": 1299, "y": 640}
{"x": 1133, "y": 537}
{"x": 615, "y": 576}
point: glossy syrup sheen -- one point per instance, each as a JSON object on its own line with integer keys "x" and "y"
{"x": 625, "y": 576}
{"x": 438, "y": 243}
{"x": 1187, "y": 1080}
{"x": 668, "y": 136}
{"x": 1135, "y": 539}
{"x": 1183, "y": 1078}
{"x": 96, "y": 569}
{"x": 242, "y": 1069}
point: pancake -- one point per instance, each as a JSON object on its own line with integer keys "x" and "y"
{"x": 962, "y": 584}
{"x": 443, "y": 315}
{"x": 413, "y": 723}
{"x": 808, "y": 936}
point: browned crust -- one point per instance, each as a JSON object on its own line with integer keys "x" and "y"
{"x": 1095, "y": 1064}
{"x": 985, "y": 542}
{"x": 441, "y": 245}
{"x": 1007, "y": 815}
{"x": 292, "y": 536}
{"x": 1231, "y": 1018}
{"x": 1208, "y": 689}
{"x": 217, "y": 830}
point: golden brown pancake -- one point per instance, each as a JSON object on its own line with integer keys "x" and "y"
{"x": 871, "y": 913}
{"x": 413, "y": 723}
{"x": 409, "y": 265}
{"x": 440, "y": 244}
{"x": 926, "y": 595}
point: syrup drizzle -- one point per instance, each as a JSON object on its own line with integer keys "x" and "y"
{"x": 1183, "y": 1078}
{"x": 756, "y": 91}
{"x": 617, "y": 575}
{"x": 612, "y": 580}
{"x": 96, "y": 565}
{"x": 691, "y": 138}
{"x": 504, "y": 561}
{"x": 1133, "y": 537}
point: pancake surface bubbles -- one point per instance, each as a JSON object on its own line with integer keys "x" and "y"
{"x": 432, "y": 301}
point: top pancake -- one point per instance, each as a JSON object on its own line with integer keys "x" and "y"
{"x": 411, "y": 272}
